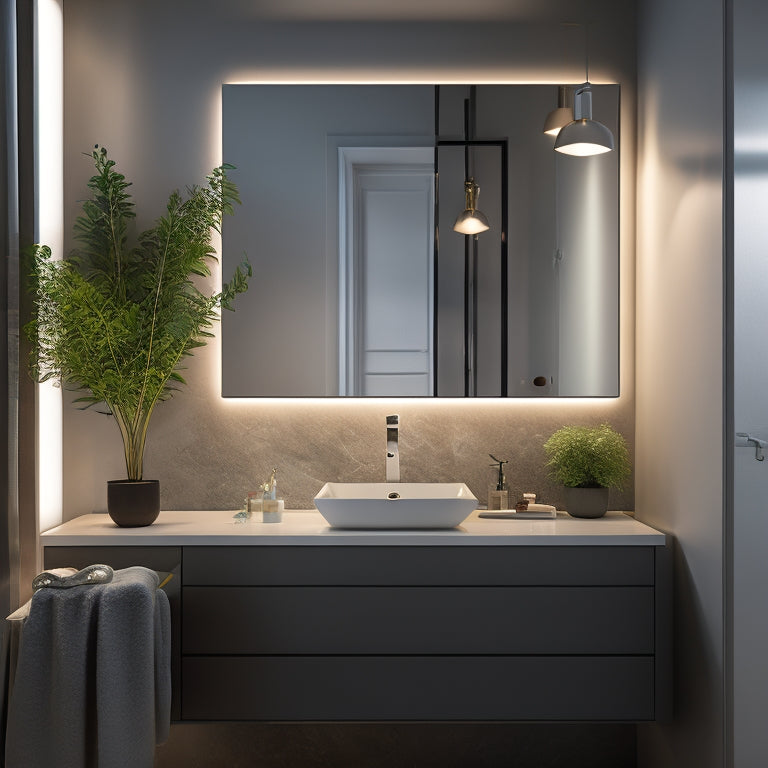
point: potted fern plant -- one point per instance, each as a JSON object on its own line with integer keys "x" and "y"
{"x": 117, "y": 322}
{"x": 588, "y": 461}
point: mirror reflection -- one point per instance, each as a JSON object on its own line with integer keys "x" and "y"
{"x": 361, "y": 285}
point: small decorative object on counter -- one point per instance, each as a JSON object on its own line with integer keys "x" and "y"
{"x": 525, "y": 509}
{"x": 588, "y": 461}
{"x": 254, "y": 500}
{"x": 269, "y": 489}
{"x": 271, "y": 506}
{"x": 498, "y": 493}
{"x": 528, "y": 498}
{"x": 244, "y": 515}
{"x": 272, "y": 511}
{"x": 265, "y": 501}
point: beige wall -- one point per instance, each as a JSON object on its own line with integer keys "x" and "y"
{"x": 680, "y": 363}
{"x": 144, "y": 79}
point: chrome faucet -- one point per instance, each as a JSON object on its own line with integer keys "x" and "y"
{"x": 393, "y": 454}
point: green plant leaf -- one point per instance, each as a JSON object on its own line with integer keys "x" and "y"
{"x": 588, "y": 457}
{"x": 117, "y": 322}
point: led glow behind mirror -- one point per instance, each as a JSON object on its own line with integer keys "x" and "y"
{"x": 339, "y": 219}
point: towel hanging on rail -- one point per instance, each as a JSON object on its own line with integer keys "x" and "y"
{"x": 92, "y": 685}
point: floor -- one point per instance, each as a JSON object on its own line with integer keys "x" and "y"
{"x": 447, "y": 745}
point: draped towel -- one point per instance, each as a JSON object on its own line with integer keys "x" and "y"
{"x": 92, "y": 685}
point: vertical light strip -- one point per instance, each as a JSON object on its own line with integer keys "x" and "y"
{"x": 49, "y": 201}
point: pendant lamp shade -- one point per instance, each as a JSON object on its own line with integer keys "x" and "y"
{"x": 471, "y": 221}
{"x": 560, "y": 117}
{"x": 584, "y": 136}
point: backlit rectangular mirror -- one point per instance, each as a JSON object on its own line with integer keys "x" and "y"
{"x": 362, "y": 287}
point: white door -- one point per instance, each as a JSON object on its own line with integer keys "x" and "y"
{"x": 750, "y": 476}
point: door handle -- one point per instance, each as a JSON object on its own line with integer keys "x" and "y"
{"x": 759, "y": 444}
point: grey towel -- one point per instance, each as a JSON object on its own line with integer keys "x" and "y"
{"x": 92, "y": 686}
{"x": 9, "y": 657}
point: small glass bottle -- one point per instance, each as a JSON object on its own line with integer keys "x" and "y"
{"x": 271, "y": 506}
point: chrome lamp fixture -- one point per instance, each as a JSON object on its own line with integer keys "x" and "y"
{"x": 471, "y": 221}
{"x": 584, "y": 136}
{"x": 560, "y": 117}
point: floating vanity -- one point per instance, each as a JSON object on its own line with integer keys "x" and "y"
{"x": 559, "y": 619}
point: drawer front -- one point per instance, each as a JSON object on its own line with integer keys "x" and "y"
{"x": 418, "y": 620}
{"x": 418, "y": 566}
{"x": 156, "y": 558}
{"x": 417, "y": 688}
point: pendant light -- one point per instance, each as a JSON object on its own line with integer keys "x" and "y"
{"x": 560, "y": 117}
{"x": 471, "y": 221}
{"x": 584, "y": 136}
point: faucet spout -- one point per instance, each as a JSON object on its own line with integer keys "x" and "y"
{"x": 393, "y": 453}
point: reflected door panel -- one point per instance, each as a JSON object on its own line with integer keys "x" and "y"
{"x": 389, "y": 324}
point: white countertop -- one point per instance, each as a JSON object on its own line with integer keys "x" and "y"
{"x": 308, "y": 527}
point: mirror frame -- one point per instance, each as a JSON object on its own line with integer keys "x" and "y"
{"x": 449, "y": 134}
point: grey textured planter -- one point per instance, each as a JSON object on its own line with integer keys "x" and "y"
{"x": 586, "y": 502}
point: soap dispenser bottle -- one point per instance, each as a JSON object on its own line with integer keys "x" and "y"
{"x": 498, "y": 493}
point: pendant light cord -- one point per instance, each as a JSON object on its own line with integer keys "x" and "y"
{"x": 466, "y": 139}
{"x": 585, "y": 8}
{"x": 586, "y": 48}
{"x": 469, "y": 126}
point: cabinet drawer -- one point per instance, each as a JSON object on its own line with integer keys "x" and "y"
{"x": 156, "y": 558}
{"x": 418, "y": 566}
{"x": 417, "y": 688}
{"x": 418, "y": 620}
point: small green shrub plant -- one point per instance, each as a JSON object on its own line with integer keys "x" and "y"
{"x": 588, "y": 457}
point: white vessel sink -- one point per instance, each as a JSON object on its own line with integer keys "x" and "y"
{"x": 395, "y": 505}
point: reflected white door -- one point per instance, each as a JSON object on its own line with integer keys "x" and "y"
{"x": 387, "y": 260}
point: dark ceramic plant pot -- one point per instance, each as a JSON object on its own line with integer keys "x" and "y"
{"x": 133, "y": 503}
{"x": 586, "y": 502}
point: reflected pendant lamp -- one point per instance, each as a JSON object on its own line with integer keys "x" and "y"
{"x": 560, "y": 117}
{"x": 471, "y": 221}
{"x": 584, "y": 136}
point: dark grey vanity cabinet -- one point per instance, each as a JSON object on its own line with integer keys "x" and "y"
{"x": 424, "y": 633}
{"x": 410, "y": 633}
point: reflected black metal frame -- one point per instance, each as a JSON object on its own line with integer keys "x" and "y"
{"x": 503, "y": 144}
